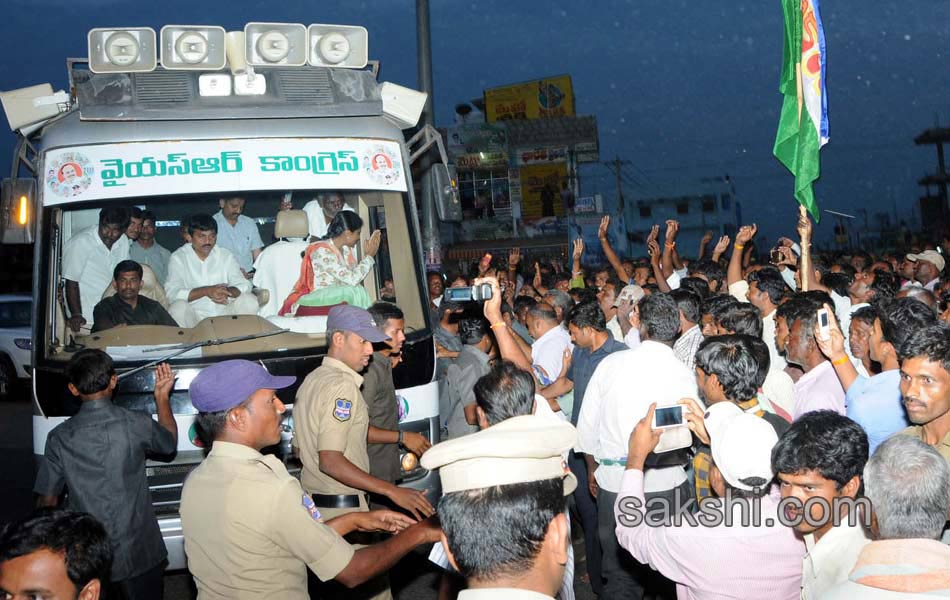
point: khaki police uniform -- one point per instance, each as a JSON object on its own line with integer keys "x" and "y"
{"x": 330, "y": 414}
{"x": 251, "y": 531}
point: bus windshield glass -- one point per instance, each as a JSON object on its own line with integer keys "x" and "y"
{"x": 143, "y": 276}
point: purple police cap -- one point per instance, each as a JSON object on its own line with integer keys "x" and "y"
{"x": 226, "y": 384}
{"x": 346, "y": 317}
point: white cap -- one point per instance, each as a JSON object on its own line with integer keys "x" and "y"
{"x": 741, "y": 444}
{"x": 633, "y": 292}
{"x": 517, "y": 450}
{"x": 930, "y": 256}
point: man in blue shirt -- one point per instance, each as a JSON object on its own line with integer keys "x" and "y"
{"x": 592, "y": 343}
{"x": 875, "y": 402}
{"x": 238, "y": 233}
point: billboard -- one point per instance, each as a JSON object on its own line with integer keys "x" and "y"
{"x": 472, "y": 138}
{"x": 538, "y": 99}
{"x": 541, "y": 187}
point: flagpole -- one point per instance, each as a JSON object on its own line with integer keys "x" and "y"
{"x": 806, "y": 252}
{"x": 802, "y": 212}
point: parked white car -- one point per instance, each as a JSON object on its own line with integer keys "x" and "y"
{"x": 15, "y": 311}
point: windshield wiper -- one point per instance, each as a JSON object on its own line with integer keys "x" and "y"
{"x": 182, "y": 348}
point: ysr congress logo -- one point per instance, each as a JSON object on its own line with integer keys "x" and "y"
{"x": 382, "y": 166}
{"x": 69, "y": 174}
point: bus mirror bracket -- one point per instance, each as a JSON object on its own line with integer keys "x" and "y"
{"x": 444, "y": 175}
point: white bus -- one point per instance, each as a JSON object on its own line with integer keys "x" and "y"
{"x": 172, "y": 137}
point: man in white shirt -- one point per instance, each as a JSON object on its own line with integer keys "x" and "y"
{"x": 929, "y": 266}
{"x": 691, "y": 336}
{"x": 550, "y": 341}
{"x": 619, "y": 394}
{"x": 607, "y": 297}
{"x": 906, "y": 482}
{"x": 626, "y": 301}
{"x": 205, "y": 280}
{"x": 89, "y": 258}
{"x": 238, "y": 233}
{"x": 819, "y": 462}
{"x": 321, "y": 210}
{"x": 819, "y": 388}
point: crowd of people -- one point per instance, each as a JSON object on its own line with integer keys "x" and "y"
{"x": 117, "y": 274}
{"x": 802, "y": 450}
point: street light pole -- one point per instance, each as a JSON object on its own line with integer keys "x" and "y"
{"x": 431, "y": 243}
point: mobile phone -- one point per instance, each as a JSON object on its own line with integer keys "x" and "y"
{"x": 776, "y": 256}
{"x": 824, "y": 323}
{"x": 475, "y": 293}
{"x": 665, "y": 417}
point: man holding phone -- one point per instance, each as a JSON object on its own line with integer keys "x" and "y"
{"x": 818, "y": 388}
{"x": 617, "y": 396}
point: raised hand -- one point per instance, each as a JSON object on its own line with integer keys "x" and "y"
{"x": 804, "y": 227}
{"x": 746, "y": 233}
{"x": 164, "y": 380}
{"x": 602, "y": 230}
{"x": 654, "y": 234}
{"x": 721, "y": 246}
{"x": 788, "y": 257}
{"x": 514, "y": 258}
{"x": 707, "y": 237}
{"x": 578, "y": 248}
{"x": 672, "y": 228}
{"x": 833, "y": 345}
{"x": 653, "y": 249}
{"x": 491, "y": 307}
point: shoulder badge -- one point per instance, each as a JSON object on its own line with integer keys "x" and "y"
{"x": 308, "y": 504}
{"x": 342, "y": 409}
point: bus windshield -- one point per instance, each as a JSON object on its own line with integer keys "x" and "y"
{"x": 217, "y": 266}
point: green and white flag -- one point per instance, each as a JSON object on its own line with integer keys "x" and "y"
{"x": 803, "y": 126}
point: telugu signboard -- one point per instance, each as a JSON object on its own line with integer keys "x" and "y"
{"x": 533, "y": 156}
{"x": 539, "y": 99}
{"x": 177, "y": 167}
{"x": 481, "y": 160}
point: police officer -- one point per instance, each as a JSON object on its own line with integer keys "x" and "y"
{"x": 503, "y": 509}
{"x": 332, "y": 422}
{"x": 250, "y": 530}
{"x": 332, "y": 426}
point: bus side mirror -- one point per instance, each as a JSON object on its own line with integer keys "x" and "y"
{"x": 17, "y": 203}
{"x": 445, "y": 187}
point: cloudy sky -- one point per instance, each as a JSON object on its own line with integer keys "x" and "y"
{"x": 685, "y": 89}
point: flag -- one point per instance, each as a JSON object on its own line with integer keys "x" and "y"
{"x": 803, "y": 125}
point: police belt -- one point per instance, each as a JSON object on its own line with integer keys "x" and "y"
{"x": 336, "y": 500}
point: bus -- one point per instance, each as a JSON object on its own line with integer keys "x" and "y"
{"x": 173, "y": 137}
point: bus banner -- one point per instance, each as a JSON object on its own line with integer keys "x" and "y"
{"x": 175, "y": 167}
